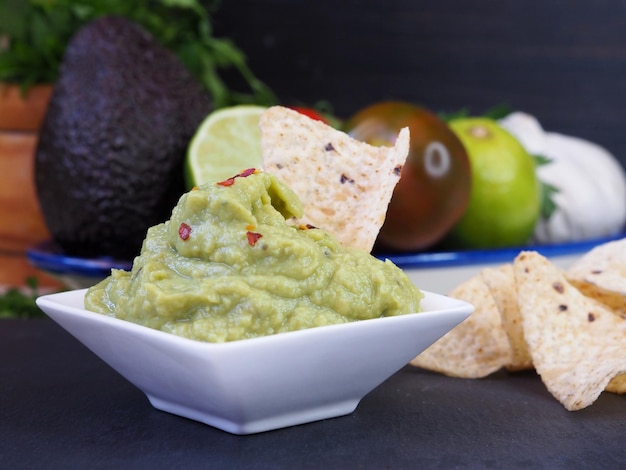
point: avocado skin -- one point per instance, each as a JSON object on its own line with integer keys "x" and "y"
{"x": 109, "y": 162}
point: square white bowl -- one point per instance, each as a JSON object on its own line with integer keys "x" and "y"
{"x": 264, "y": 383}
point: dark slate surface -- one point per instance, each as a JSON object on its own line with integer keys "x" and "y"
{"x": 62, "y": 407}
{"x": 563, "y": 61}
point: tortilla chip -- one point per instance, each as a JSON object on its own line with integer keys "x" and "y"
{"x": 617, "y": 385}
{"x": 476, "y": 347}
{"x": 576, "y": 343}
{"x": 501, "y": 283}
{"x": 345, "y": 185}
{"x": 601, "y": 274}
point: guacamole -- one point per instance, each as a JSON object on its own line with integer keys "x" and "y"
{"x": 228, "y": 265}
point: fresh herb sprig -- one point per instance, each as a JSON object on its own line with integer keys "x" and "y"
{"x": 496, "y": 112}
{"x": 35, "y": 33}
{"x": 548, "y": 191}
{"x": 20, "y": 303}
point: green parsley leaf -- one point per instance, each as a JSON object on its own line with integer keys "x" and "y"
{"x": 548, "y": 206}
{"x": 36, "y": 33}
{"x": 20, "y": 303}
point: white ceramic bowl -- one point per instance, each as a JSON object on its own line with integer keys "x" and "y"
{"x": 264, "y": 383}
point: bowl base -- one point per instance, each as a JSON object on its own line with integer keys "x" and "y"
{"x": 257, "y": 425}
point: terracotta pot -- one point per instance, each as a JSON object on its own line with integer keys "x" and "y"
{"x": 23, "y": 112}
{"x": 21, "y": 222}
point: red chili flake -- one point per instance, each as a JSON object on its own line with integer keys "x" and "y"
{"x": 184, "y": 231}
{"x": 248, "y": 172}
{"x": 253, "y": 237}
{"x": 230, "y": 181}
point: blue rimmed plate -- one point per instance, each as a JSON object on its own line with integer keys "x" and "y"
{"x": 441, "y": 271}
{"x": 437, "y": 271}
{"x": 74, "y": 271}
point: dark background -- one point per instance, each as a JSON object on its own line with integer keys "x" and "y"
{"x": 562, "y": 60}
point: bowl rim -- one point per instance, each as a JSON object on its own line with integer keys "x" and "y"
{"x": 57, "y": 301}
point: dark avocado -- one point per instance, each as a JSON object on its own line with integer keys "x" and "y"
{"x": 109, "y": 162}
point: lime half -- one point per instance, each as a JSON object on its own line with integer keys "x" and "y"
{"x": 226, "y": 142}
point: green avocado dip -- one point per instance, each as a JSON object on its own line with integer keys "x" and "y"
{"x": 229, "y": 266}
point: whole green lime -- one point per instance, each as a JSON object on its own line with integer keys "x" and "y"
{"x": 506, "y": 194}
